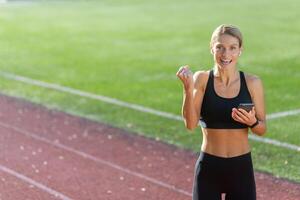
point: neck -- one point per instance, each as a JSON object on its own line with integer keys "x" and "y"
{"x": 226, "y": 76}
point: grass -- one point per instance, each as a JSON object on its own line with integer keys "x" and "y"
{"x": 131, "y": 51}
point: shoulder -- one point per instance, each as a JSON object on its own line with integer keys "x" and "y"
{"x": 252, "y": 79}
{"x": 253, "y": 82}
{"x": 200, "y": 75}
{"x": 200, "y": 78}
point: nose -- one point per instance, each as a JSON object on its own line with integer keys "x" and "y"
{"x": 225, "y": 53}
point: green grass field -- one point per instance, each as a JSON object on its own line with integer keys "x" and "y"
{"x": 131, "y": 51}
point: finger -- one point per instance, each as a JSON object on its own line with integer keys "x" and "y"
{"x": 237, "y": 118}
{"x": 186, "y": 66}
{"x": 183, "y": 67}
{"x": 241, "y": 115}
{"x": 187, "y": 74}
{"x": 244, "y": 112}
{"x": 181, "y": 75}
{"x": 233, "y": 115}
{"x": 252, "y": 112}
{"x": 185, "y": 77}
{"x": 180, "y": 70}
{"x": 234, "y": 110}
{"x": 183, "y": 70}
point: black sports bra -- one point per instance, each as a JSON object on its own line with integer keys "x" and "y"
{"x": 216, "y": 110}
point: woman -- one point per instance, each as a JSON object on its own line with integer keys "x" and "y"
{"x": 224, "y": 164}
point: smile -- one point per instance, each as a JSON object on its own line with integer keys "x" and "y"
{"x": 225, "y": 62}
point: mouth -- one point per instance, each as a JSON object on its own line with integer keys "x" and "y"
{"x": 225, "y": 62}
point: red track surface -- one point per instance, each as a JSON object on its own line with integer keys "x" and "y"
{"x": 47, "y": 154}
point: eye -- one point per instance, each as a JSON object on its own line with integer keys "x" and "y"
{"x": 219, "y": 48}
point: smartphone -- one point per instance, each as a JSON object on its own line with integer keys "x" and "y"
{"x": 246, "y": 106}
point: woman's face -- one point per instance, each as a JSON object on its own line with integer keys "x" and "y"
{"x": 226, "y": 51}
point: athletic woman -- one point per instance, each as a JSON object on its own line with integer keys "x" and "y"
{"x": 213, "y": 98}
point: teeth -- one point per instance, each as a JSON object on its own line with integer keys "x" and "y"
{"x": 226, "y": 61}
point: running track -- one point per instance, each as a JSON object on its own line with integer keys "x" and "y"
{"x": 46, "y": 154}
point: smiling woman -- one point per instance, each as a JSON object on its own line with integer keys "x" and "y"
{"x": 226, "y": 47}
{"x": 213, "y": 97}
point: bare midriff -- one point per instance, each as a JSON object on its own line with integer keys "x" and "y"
{"x": 225, "y": 142}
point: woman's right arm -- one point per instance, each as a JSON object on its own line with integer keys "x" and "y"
{"x": 193, "y": 92}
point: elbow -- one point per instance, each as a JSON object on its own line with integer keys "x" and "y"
{"x": 261, "y": 131}
{"x": 190, "y": 126}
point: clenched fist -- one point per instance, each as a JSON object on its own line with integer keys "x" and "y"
{"x": 186, "y": 76}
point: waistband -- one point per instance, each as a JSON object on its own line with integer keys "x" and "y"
{"x": 206, "y": 157}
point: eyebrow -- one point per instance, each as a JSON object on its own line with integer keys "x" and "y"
{"x": 220, "y": 44}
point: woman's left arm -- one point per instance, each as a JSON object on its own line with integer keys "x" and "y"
{"x": 256, "y": 118}
{"x": 257, "y": 94}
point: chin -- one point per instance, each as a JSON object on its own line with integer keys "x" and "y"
{"x": 221, "y": 66}
{"x": 226, "y": 66}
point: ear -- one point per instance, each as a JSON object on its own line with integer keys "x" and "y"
{"x": 241, "y": 51}
{"x": 211, "y": 51}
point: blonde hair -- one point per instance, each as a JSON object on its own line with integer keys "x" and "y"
{"x": 226, "y": 29}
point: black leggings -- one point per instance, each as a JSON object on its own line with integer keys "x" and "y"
{"x": 215, "y": 175}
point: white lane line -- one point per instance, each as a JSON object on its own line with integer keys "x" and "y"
{"x": 110, "y": 100}
{"x": 97, "y": 160}
{"x": 80, "y": 93}
{"x": 283, "y": 114}
{"x": 275, "y": 142}
{"x": 33, "y": 182}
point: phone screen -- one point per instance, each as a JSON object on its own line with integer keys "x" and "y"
{"x": 246, "y": 106}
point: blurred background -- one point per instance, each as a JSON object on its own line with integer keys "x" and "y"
{"x": 131, "y": 50}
